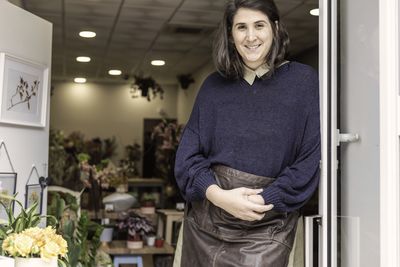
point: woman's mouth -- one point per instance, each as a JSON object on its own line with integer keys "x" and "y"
{"x": 252, "y": 47}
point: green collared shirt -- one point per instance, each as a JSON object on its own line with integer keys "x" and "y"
{"x": 250, "y": 75}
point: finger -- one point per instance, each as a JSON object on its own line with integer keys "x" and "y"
{"x": 254, "y": 216}
{"x": 257, "y": 199}
{"x": 270, "y": 207}
{"x": 249, "y": 191}
{"x": 261, "y": 208}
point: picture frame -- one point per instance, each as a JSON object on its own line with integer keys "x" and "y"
{"x": 24, "y": 89}
{"x": 8, "y": 183}
{"x": 34, "y": 192}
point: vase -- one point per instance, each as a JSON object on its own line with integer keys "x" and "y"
{"x": 6, "y": 262}
{"x": 33, "y": 262}
{"x": 120, "y": 201}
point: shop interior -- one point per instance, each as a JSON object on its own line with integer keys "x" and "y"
{"x": 124, "y": 77}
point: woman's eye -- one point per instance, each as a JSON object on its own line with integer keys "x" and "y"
{"x": 241, "y": 27}
{"x": 259, "y": 26}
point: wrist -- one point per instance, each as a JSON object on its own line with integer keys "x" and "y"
{"x": 212, "y": 193}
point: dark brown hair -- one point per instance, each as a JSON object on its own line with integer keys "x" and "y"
{"x": 226, "y": 58}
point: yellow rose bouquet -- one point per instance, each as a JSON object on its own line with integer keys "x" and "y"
{"x": 36, "y": 242}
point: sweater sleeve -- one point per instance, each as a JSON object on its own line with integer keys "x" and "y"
{"x": 192, "y": 167}
{"x": 296, "y": 183}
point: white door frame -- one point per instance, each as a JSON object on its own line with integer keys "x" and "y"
{"x": 329, "y": 135}
{"x": 389, "y": 88}
{"x": 389, "y": 132}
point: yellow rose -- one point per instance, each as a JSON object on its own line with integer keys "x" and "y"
{"x": 8, "y": 245}
{"x": 62, "y": 244}
{"x": 23, "y": 244}
{"x": 49, "y": 251}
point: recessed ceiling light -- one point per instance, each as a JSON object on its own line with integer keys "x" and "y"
{"x": 87, "y": 34}
{"x": 314, "y": 12}
{"x": 83, "y": 59}
{"x": 80, "y": 80}
{"x": 114, "y": 72}
{"x": 158, "y": 62}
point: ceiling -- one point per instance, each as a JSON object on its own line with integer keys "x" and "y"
{"x": 131, "y": 33}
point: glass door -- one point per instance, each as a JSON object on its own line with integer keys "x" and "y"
{"x": 358, "y": 179}
{"x": 349, "y": 220}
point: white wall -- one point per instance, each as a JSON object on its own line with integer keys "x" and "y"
{"x": 27, "y": 36}
{"x": 106, "y": 110}
{"x": 187, "y": 97}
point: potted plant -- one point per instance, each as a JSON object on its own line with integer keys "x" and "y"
{"x": 129, "y": 164}
{"x": 36, "y": 247}
{"x": 137, "y": 226}
{"x": 21, "y": 239}
{"x": 148, "y": 203}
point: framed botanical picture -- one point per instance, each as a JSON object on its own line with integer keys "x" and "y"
{"x": 23, "y": 91}
{"x": 8, "y": 183}
{"x": 34, "y": 193}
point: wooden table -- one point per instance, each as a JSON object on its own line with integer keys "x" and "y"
{"x": 117, "y": 248}
{"x": 166, "y": 220}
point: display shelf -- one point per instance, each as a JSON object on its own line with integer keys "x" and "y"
{"x": 112, "y": 215}
{"x": 118, "y": 247}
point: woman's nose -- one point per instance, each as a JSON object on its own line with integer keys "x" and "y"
{"x": 251, "y": 34}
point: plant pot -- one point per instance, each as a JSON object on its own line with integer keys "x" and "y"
{"x": 30, "y": 262}
{"x": 107, "y": 235}
{"x": 159, "y": 243}
{"x": 148, "y": 210}
{"x": 134, "y": 244}
{"x": 6, "y": 262}
{"x": 150, "y": 241}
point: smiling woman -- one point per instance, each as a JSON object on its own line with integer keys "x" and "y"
{"x": 257, "y": 26}
{"x": 249, "y": 156}
{"x": 252, "y": 35}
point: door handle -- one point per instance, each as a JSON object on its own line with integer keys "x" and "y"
{"x": 347, "y": 137}
{"x": 311, "y": 227}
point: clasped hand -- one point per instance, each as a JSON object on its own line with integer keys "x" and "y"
{"x": 243, "y": 203}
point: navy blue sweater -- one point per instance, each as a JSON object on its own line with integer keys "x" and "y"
{"x": 270, "y": 128}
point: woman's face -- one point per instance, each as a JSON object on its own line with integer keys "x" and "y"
{"x": 252, "y": 35}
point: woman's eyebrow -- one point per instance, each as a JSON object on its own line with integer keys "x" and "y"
{"x": 244, "y": 23}
{"x": 261, "y": 21}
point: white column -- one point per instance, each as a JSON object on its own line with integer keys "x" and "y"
{"x": 389, "y": 132}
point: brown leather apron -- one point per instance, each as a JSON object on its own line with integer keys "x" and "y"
{"x": 214, "y": 238}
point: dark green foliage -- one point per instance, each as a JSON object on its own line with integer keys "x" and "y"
{"x": 81, "y": 234}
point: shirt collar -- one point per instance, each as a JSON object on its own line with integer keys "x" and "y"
{"x": 250, "y": 75}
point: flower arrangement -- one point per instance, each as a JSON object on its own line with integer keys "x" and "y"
{"x": 136, "y": 225}
{"x": 36, "y": 242}
{"x": 64, "y": 151}
{"x": 128, "y": 164}
{"x": 166, "y": 136}
{"x": 105, "y": 173}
